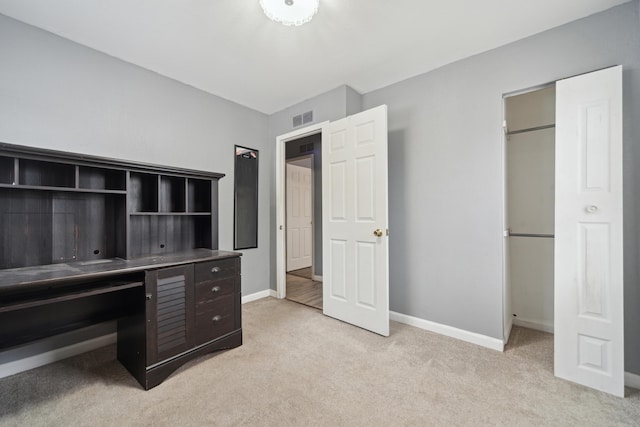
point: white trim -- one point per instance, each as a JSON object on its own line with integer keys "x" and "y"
{"x": 632, "y": 380}
{"x": 31, "y": 362}
{"x": 258, "y": 295}
{"x": 281, "y": 264}
{"x": 533, "y": 324}
{"x": 450, "y": 331}
{"x": 316, "y": 278}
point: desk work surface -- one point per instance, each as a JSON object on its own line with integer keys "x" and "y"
{"x": 15, "y": 279}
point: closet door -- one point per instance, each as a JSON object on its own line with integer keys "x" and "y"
{"x": 589, "y": 320}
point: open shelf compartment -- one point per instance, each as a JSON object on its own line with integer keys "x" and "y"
{"x": 143, "y": 192}
{"x": 46, "y": 174}
{"x": 199, "y": 195}
{"x": 93, "y": 178}
{"x": 7, "y": 170}
{"x": 172, "y": 194}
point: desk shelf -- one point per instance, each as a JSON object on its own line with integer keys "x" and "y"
{"x": 84, "y": 240}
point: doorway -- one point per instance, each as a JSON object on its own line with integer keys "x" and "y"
{"x": 530, "y": 207}
{"x": 355, "y": 250}
{"x": 303, "y": 220}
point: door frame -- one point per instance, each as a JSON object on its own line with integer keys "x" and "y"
{"x": 313, "y": 234}
{"x": 281, "y": 255}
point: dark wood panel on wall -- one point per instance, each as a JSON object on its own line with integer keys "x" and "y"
{"x": 27, "y": 228}
{"x": 52, "y": 227}
{"x": 97, "y": 218}
{"x": 160, "y": 234}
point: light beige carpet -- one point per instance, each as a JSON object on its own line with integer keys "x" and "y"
{"x": 298, "y": 367}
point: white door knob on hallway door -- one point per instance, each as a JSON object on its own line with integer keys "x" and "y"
{"x": 591, "y": 209}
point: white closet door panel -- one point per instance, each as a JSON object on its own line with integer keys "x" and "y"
{"x": 589, "y": 303}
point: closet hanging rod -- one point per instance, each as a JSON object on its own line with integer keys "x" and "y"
{"x": 548, "y": 236}
{"x": 514, "y": 132}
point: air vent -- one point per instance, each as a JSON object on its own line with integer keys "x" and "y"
{"x": 307, "y": 117}
{"x": 303, "y": 119}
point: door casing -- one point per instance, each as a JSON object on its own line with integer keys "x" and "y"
{"x": 281, "y": 179}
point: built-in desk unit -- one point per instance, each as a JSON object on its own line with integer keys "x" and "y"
{"x": 86, "y": 240}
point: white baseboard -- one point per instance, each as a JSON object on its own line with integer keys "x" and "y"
{"x": 21, "y": 365}
{"x": 632, "y": 380}
{"x": 450, "y": 331}
{"x": 259, "y": 295}
{"x": 533, "y": 324}
{"x": 317, "y": 278}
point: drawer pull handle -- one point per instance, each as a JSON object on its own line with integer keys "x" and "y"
{"x": 216, "y": 270}
{"x": 215, "y": 289}
{"x": 216, "y": 318}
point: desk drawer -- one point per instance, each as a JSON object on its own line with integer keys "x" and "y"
{"x": 215, "y": 319}
{"x": 209, "y": 291}
{"x": 215, "y": 270}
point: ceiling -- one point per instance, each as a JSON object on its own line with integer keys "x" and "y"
{"x": 230, "y": 49}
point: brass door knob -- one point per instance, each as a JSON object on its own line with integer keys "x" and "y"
{"x": 377, "y": 233}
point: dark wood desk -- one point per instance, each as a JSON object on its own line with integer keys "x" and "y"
{"x": 170, "y": 308}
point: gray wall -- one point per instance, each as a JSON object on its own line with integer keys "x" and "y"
{"x": 446, "y": 171}
{"x": 60, "y": 95}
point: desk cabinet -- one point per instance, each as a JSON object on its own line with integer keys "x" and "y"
{"x": 86, "y": 240}
{"x": 190, "y": 310}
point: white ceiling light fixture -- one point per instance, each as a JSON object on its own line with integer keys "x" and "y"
{"x": 290, "y": 12}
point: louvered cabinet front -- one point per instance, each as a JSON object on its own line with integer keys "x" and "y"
{"x": 170, "y": 316}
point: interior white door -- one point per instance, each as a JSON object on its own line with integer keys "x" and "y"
{"x": 354, "y": 220}
{"x": 589, "y": 339}
{"x": 299, "y": 217}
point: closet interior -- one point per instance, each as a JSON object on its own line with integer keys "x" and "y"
{"x": 530, "y": 178}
